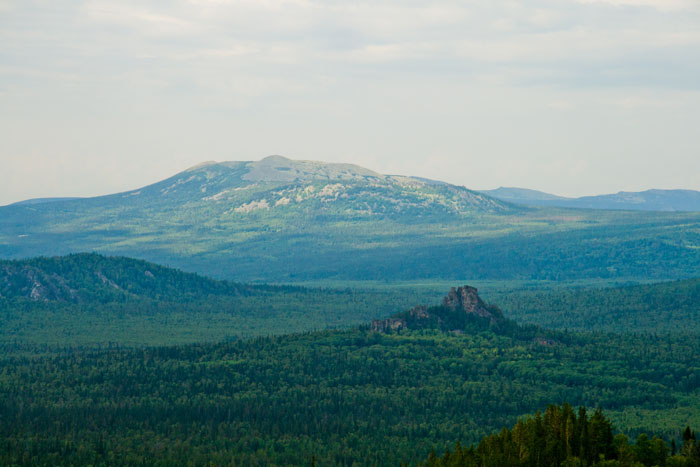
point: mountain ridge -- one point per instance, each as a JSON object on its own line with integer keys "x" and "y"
{"x": 647, "y": 200}
{"x": 276, "y": 181}
{"x": 279, "y": 220}
{"x": 276, "y": 168}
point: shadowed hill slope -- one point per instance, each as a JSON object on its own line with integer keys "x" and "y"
{"x": 91, "y": 277}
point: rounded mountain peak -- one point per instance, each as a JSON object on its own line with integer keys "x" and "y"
{"x": 278, "y": 168}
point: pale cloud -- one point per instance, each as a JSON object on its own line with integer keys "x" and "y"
{"x": 146, "y": 21}
{"x": 662, "y": 5}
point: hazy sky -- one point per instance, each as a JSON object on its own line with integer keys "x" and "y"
{"x": 568, "y": 96}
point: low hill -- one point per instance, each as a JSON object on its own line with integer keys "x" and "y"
{"x": 280, "y": 220}
{"x": 96, "y": 278}
{"x": 523, "y": 195}
{"x": 649, "y": 200}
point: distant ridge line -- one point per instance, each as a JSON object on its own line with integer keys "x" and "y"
{"x": 647, "y": 200}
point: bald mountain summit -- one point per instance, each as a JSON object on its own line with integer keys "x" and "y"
{"x": 283, "y": 220}
{"x": 283, "y": 186}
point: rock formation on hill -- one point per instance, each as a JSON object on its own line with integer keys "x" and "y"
{"x": 467, "y": 299}
{"x": 460, "y": 308}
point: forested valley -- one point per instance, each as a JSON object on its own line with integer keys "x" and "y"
{"x": 94, "y": 300}
{"x": 95, "y": 368}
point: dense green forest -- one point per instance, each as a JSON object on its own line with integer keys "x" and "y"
{"x": 562, "y": 436}
{"x": 345, "y": 397}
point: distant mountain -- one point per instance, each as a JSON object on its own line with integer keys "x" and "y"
{"x": 42, "y": 200}
{"x": 521, "y": 195}
{"x": 650, "y": 200}
{"x": 281, "y": 220}
{"x": 277, "y": 185}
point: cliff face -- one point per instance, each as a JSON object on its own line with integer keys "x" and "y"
{"x": 33, "y": 283}
{"x": 460, "y": 308}
{"x": 389, "y": 324}
{"x": 467, "y": 299}
{"x": 400, "y": 322}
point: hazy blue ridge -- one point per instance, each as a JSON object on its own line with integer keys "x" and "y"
{"x": 649, "y": 200}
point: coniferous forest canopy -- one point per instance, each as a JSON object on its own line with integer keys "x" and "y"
{"x": 344, "y": 397}
{"x": 563, "y": 436}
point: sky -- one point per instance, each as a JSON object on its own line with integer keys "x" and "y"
{"x": 573, "y": 97}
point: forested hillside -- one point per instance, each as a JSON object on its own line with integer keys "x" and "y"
{"x": 99, "y": 279}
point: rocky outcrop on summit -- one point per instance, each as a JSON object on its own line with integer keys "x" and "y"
{"x": 467, "y": 299}
{"x": 461, "y": 309}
